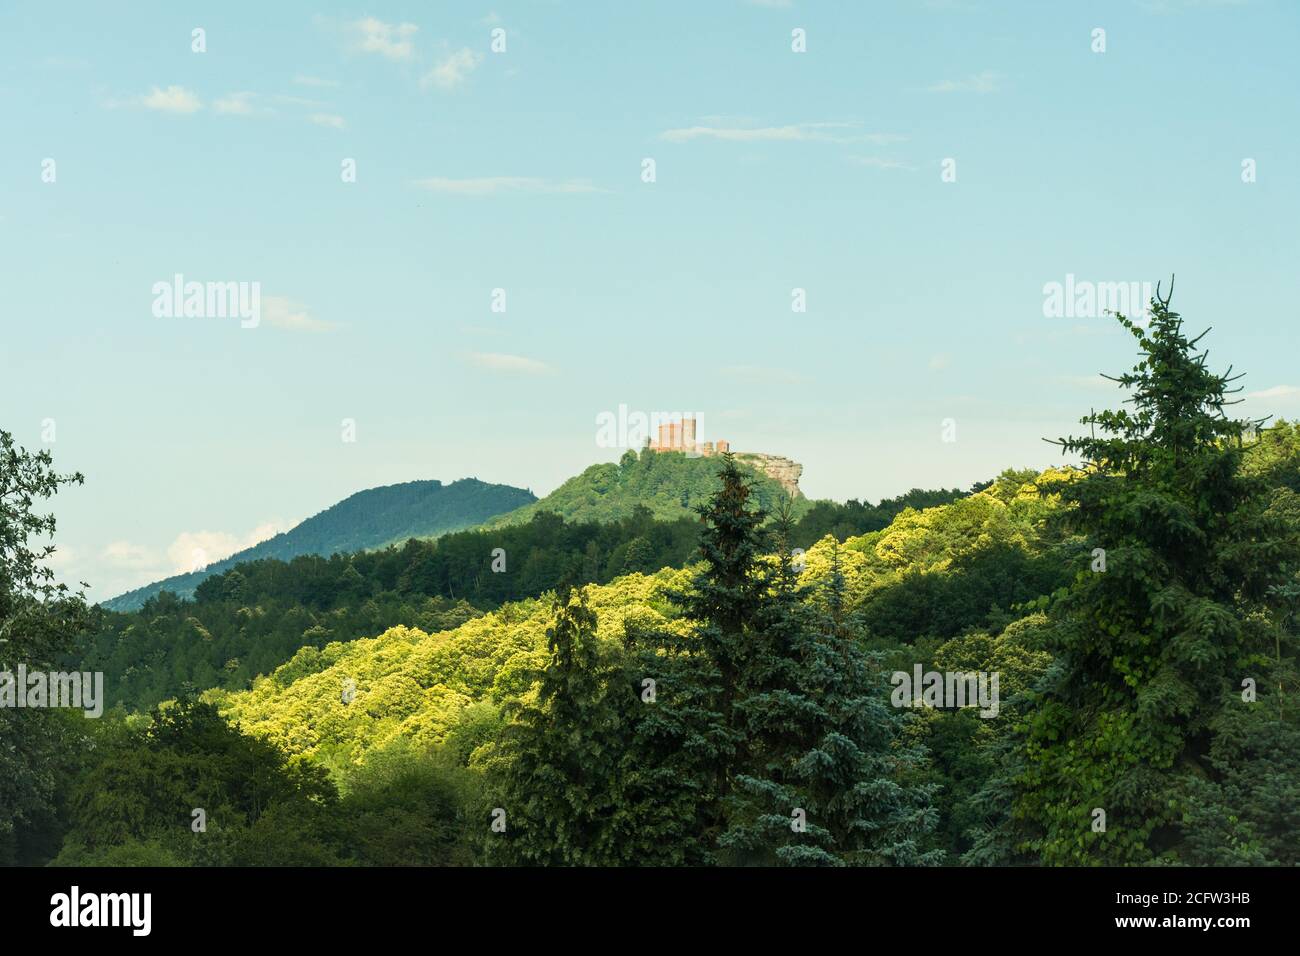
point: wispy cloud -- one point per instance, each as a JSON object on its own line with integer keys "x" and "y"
{"x": 294, "y": 316}
{"x": 194, "y": 550}
{"x": 125, "y": 564}
{"x": 792, "y": 133}
{"x": 315, "y": 82}
{"x": 239, "y": 104}
{"x": 880, "y": 162}
{"x": 328, "y": 119}
{"x": 501, "y": 362}
{"x": 394, "y": 41}
{"x": 174, "y": 99}
{"x": 1277, "y": 391}
{"x": 496, "y": 185}
{"x": 453, "y": 69}
{"x": 986, "y": 82}
{"x": 125, "y": 554}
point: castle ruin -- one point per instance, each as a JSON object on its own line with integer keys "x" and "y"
{"x": 680, "y": 437}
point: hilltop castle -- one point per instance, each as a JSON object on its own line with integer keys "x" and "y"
{"x": 680, "y": 436}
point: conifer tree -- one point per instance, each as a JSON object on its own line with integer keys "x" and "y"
{"x": 559, "y": 779}
{"x": 824, "y": 774}
{"x": 1161, "y": 626}
{"x": 612, "y": 762}
{"x": 723, "y": 603}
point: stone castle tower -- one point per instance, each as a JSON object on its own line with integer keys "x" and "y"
{"x": 681, "y": 436}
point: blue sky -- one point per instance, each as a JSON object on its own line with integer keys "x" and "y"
{"x": 522, "y": 170}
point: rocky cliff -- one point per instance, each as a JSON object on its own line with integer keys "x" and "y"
{"x": 780, "y": 469}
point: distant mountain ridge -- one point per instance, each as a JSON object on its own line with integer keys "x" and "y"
{"x": 366, "y": 520}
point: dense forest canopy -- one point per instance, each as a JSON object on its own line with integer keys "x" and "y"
{"x": 250, "y": 619}
{"x": 670, "y": 484}
{"x": 730, "y": 684}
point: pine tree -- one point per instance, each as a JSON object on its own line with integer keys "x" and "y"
{"x": 559, "y": 781}
{"x": 678, "y": 743}
{"x": 823, "y": 779}
{"x": 611, "y": 763}
{"x": 1157, "y": 633}
{"x": 723, "y": 605}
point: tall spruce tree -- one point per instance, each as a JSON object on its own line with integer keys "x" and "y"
{"x": 1162, "y": 625}
{"x": 724, "y": 606}
{"x": 825, "y": 780}
{"x": 678, "y": 743}
{"x": 611, "y": 763}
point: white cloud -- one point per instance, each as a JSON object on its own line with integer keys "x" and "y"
{"x": 286, "y": 314}
{"x": 285, "y": 100}
{"x": 174, "y": 99}
{"x": 940, "y": 362}
{"x": 453, "y": 69}
{"x": 1277, "y": 391}
{"x": 986, "y": 82}
{"x": 792, "y": 133}
{"x": 500, "y": 362}
{"x": 237, "y": 104}
{"x": 328, "y": 119}
{"x": 393, "y": 41}
{"x": 62, "y": 557}
{"x": 194, "y": 550}
{"x": 880, "y": 162}
{"x": 492, "y": 185}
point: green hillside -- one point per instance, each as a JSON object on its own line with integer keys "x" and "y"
{"x": 980, "y": 681}
{"x": 670, "y": 484}
{"x": 423, "y": 686}
{"x": 368, "y": 519}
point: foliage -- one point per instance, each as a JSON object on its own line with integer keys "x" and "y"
{"x": 370, "y": 519}
{"x": 39, "y": 622}
{"x": 670, "y": 484}
{"x": 1153, "y": 650}
{"x": 148, "y": 782}
{"x": 823, "y": 780}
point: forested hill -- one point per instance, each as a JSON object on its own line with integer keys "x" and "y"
{"x": 670, "y": 484}
{"x": 249, "y": 620}
{"x": 366, "y": 520}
